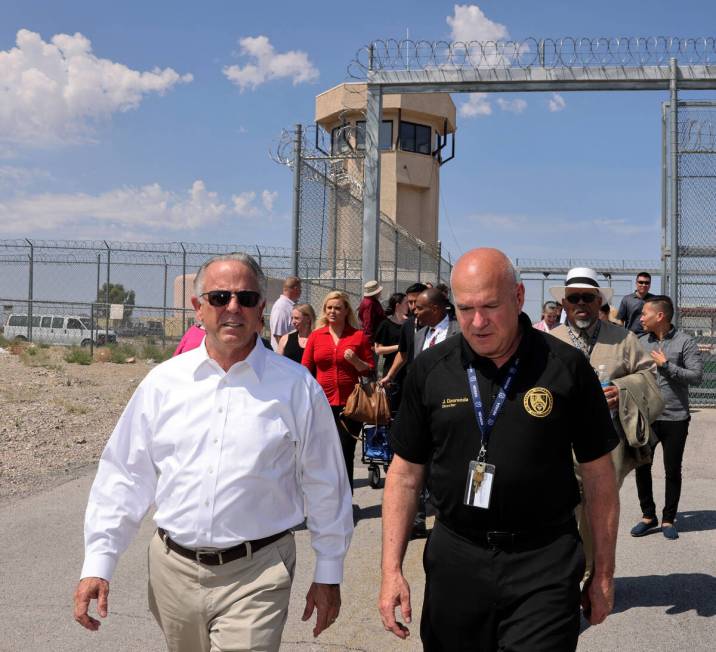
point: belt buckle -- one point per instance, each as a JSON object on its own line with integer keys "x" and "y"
{"x": 198, "y": 552}
{"x": 498, "y": 539}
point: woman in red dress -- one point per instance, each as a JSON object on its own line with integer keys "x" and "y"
{"x": 337, "y": 353}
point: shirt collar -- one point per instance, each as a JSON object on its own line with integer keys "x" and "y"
{"x": 256, "y": 360}
{"x": 442, "y": 324}
{"x": 670, "y": 333}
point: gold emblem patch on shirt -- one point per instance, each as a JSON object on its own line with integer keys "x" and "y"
{"x": 538, "y": 402}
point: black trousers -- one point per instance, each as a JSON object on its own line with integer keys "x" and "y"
{"x": 672, "y": 435}
{"x": 348, "y": 431}
{"x": 482, "y": 599}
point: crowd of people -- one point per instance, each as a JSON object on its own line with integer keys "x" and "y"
{"x": 235, "y": 446}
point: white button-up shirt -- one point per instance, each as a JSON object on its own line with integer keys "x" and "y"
{"x": 226, "y": 457}
{"x": 438, "y": 332}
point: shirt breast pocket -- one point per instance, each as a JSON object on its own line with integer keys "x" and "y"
{"x": 259, "y": 442}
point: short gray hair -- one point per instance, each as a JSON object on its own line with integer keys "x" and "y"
{"x": 239, "y": 257}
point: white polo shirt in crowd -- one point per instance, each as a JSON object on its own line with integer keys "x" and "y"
{"x": 226, "y": 457}
{"x": 437, "y": 333}
{"x": 280, "y": 319}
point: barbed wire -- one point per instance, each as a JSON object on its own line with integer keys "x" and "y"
{"x": 131, "y": 253}
{"x": 567, "y": 52}
{"x": 316, "y": 151}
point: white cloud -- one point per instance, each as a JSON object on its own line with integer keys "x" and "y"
{"x": 517, "y": 105}
{"x": 556, "y": 103}
{"x": 267, "y": 64}
{"x": 13, "y": 177}
{"x": 268, "y": 198}
{"x": 476, "y": 104}
{"x": 621, "y": 227}
{"x": 244, "y": 204}
{"x": 469, "y": 23}
{"x": 53, "y": 93}
{"x": 145, "y": 208}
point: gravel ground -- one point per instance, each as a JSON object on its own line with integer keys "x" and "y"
{"x": 55, "y": 417}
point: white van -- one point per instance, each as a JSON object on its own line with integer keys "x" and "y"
{"x": 64, "y": 330}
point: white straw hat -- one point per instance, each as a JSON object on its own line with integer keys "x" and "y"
{"x": 581, "y": 277}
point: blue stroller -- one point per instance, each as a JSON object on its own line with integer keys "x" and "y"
{"x": 376, "y": 452}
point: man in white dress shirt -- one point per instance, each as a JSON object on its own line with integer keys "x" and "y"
{"x": 228, "y": 441}
{"x": 280, "y": 319}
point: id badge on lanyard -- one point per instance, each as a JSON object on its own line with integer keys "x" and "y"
{"x": 480, "y": 474}
{"x": 479, "y": 484}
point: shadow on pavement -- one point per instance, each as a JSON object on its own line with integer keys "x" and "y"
{"x": 680, "y": 592}
{"x": 374, "y": 511}
{"x": 696, "y": 521}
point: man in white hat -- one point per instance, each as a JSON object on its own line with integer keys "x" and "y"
{"x": 370, "y": 312}
{"x": 613, "y": 352}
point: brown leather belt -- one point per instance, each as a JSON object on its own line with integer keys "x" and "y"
{"x": 218, "y": 557}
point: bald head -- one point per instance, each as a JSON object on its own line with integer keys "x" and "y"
{"x": 485, "y": 262}
{"x": 489, "y": 298}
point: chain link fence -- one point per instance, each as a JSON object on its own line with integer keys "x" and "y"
{"x": 90, "y": 293}
{"x": 330, "y": 238}
{"x": 697, "y": 234}
{"x": 694, "y": 182}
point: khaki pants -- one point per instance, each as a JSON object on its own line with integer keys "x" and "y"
{"x": 623, "y": 464}
{"x": 241, "y": 605}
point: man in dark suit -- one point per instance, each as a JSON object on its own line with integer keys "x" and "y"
{"x": 436, "y": 325}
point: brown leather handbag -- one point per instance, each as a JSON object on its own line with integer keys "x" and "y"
{"x": 368, "y": 403}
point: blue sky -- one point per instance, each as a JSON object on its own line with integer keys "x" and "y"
{"x": 152, "y": 140}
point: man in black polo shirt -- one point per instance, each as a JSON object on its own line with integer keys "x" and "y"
{"x": 632, "y": 304}
{"x": 504, "y": 561}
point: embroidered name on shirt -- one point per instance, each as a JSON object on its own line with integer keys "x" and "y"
{"x": 538, "y": 402}
{"x": 452, "y": 402}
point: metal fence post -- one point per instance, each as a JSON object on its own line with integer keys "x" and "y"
{"x": 106, "y": 294}
{"x": 440, "y": 258}
{"x": 296, "y": 219}
{"x": 30, "y": 290}
{"x": 99, "y": 268}
{"x": 94, "y": 329}
{"x": 334, "y": 190}
{"x": 420, "y": 262}
{"x": 371, "y": 186}
{"x": 164, "y": 307}
{"x": 395, "y": 258}
{"x": 183, "y": 287}
{"x": 674, "y": 110}
{"x": 664, "y": 201}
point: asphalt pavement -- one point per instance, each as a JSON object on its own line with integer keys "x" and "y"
{"x": 665, "y": 590}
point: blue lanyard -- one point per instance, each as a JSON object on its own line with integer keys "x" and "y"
{"x": 486, "y": 424}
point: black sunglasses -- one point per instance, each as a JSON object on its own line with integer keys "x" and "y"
{"x": 245, "y": 298}
{"x": 586, "y": 297}
{"x": 643, "y": 282}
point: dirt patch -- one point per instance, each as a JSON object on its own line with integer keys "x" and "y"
{"x": 56, "y": 417}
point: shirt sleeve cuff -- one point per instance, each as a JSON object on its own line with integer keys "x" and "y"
{"x": 329, "y": 571}
{"x": 99, "y": 566}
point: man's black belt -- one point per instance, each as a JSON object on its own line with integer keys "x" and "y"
{"x": 211, "y": 557}
{"x": 520, "y": 540}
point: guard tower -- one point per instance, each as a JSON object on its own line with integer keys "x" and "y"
{"x": 417, "y": 136}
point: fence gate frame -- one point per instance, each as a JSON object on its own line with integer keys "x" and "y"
{"x": 563, "y": 65}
